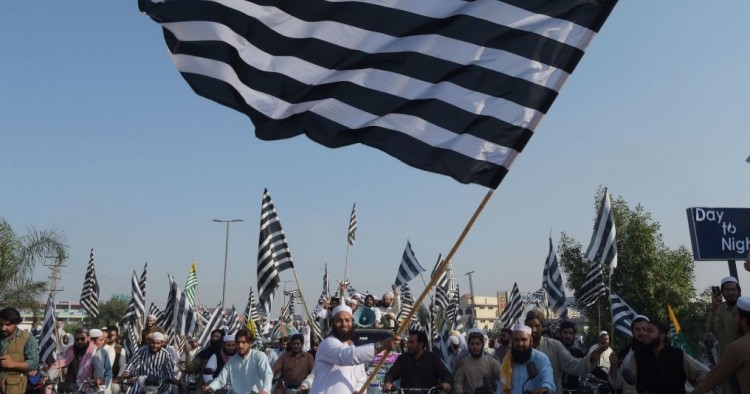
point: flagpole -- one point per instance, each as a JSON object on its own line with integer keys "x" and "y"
{"x": 346, "y": 259}
{"x": 302, "y": 297}
{"x": 433, "y": 280}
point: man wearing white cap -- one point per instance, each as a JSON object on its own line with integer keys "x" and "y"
{"x": 339, "y": 365}
{"x": 514, "y": 377}
{"x": 217, "y": 360}
{"x": 102, "y": 364}
{"x": 152, "y": 360}
{"x": 604, "y": 358}
{"x": 720, "y": 317}
{"x": 736, "y": 358}
{"x": 150, "y": 328}
{"x": 390, "y": 304}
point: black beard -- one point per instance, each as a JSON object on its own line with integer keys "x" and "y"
{"x": 731, "y": 304}
{"x": 343, "y": 336}
{"x": 650, "y": 346}
{"x": 521, "y": 356}
{"x": 568, "y": 344}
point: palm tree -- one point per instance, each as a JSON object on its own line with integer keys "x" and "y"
{"x": 19, "y": 255}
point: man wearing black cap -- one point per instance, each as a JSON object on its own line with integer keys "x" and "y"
{"x": 736, "y": 359}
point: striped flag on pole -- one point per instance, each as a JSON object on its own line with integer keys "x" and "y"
{"x": 183, "y": 315}
{"x": 451, "y": 314}
{"x": 142, "y": 282}
{"x": 215, "y": 322}
{"x": 191, "y": 286}
{"x": 273, "y": 252}
{"x": 249, "y": 313}
{"x": 593, "y": 286}
{"x": 513, "y": 308}
{"x": 622, "y": 314}
{"x": 232, "y": 321}
{"x": 553, "y": 283}
{"x": 130, "y": 340}
{"x": 90, "y": 291}
{"x": 137, "y": 306}
{"x": 407, "y": 303}
{"x": 457, "y": 88}
{"x": 352, "y": 225}
{"x": 409, "y": 267}
{"x": 161, "y": 318}
{"x": 442, "y": 287}
{"x": 602, "y": 249}
{"x": 47, "y": 337}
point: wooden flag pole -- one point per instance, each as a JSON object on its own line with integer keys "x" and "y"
{"x": 302, "y": 297}
{"x": 433, "y": 280}
{"x": 346, "y": 260}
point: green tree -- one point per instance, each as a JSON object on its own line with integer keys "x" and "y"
{"x": 112, "y": 311}
{"x": 19, "y": 255}
{"x": 649, "y": 274}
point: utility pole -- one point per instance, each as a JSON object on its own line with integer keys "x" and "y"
{"x": 471, "y": 296}
{"x": 54, "y": 276}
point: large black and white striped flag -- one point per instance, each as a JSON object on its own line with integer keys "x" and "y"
{"x": 457, "y": 88}
{"x": 215, "y": 322}
{"x": 232, "y": 321}
{"x": 287, "y": 314}
{"x": 130, "y": 339}
{"x": 273, "y": 252}
{"x": 409, "y": 267}
{"x": 183, "y": 314}
{"x": 622, "y": 314}
{"x": 513, "y": 308}
{"x": 553, "y": 283}
{"x": 407, "y": 303}
{"x": 137, "y": 306}
{"x": 442, "y": 287}
{"x": 352, "y": 226}
{"x": 592, "y": 287}
{"x": 47, "y": 338}
{"x": 603, "y": 246}
{"x": 90, "y": 291}
{"x": 250, "y": 308}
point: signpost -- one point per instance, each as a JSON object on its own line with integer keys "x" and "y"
{"x": 720, "y": 234}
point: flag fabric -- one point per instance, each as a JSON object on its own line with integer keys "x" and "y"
{"x": 513, "y": 307}
{"x": 593, "y": 286}
{"x": 183, "y": 319}
{"x": 325, "y": 293}
{"x": 273, "y": 252}
{"x": 407, "y": 303}
{"x": 47, "y": 338}
{"x": 602, "y": 249}
{"x": 232, "y": 321}
{"x": 90, "y": 291}
{"x": 352, "y": 226}
{"x": 130, "y": 339}
{"x": 137, "y": 306}
{"x": 142, "y": 281}
{"x": 409, "y": 267}
{"x": 161, "y": 318}
{"x": 553, "y": 283}
{"x": 457, "y": 88}
{"x": 678, "y": 340}
{"x": 622, "y": 314}
{"x": 451, "y": 314}
{"x": 442, "y": 287}
{"x": 538, "y": 297}
{"x": 191, "y": 286}
{"x": 215, "y": 322}
{"x": 287, "y": 314}
{"x": 444, "y": 345}
{"x": 169, "y": 309}
{"x": 249, "y": 313}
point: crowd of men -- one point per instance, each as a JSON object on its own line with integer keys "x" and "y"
{"x": 526, "y": 357}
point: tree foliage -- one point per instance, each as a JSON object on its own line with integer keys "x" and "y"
{"x": 19, "y": 255}
{"x": 112, "y": 311}
{"x": 649, "y": 275}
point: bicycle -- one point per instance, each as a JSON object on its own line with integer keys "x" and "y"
{"x": 415, "y": 390}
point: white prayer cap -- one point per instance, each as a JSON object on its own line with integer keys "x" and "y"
{"x": 341, "y": 308}
{"x": 388, "y": 294}
{"x": 641, "y": 317}
{"x": 454, "y": 340}
{"x": 95, "y": 333}
{"x": 729, "y": 279}
{"x": 743, "y": 303}
{"x": 157, "y": 336}
{"x": 152, "y": 317}
{"x": 228, "y": 338}
{"x": 603, "y": 333}
{"x": 522, "y": 327}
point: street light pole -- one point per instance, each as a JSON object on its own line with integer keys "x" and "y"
{"x": 226, "y": 253}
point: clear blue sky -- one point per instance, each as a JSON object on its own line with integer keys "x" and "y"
{"x": 102, "y": 138}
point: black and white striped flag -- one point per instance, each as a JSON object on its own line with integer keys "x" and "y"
{"x": 513, "y": 308}
{"x": 352, "y": 226}
{"x": 250, "y": 308}
{"x": 183, "y": 314}
{"x": 273, "y": 252}
{"x": 215, "y": 322}
{"x": 451, "y": 314}
{"x": 407, "y": 303}
{"x": 442, "y": 287}
{"x": 130, "y": 339}
{"x": 538, "y": 297}
{"x": 602, "y": 249}
{"x": 142, "y": 282}
{"x": 622, "y": 314}
{"x": 47, "y": 337}
{"x": 409, "y": 267}
{"x": 457, "y": 88}
{"x": 593, "y": 286}
{"x": 90, "y": 291}
{"x": 287, "y": 314}
{"x": 325, "y": 293}
{"x": 137, "y": 306}
{"x": 553, "y": 283}
{"x": 161, "y": 318}
{"x": 232, "y": 321}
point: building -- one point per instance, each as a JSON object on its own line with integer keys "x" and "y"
{"x": 489, "y": 308}
{"x": 70, "y": 313}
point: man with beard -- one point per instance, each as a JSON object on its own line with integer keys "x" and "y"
{"x": 293, "y": 366}
{"x": 150, "y": 328}
{"x": 560, "y": 358}
{"x": 371, "y": 304}
{"x": 736, "y": 359}
{"x": 339, "y": 365}
{"x": 19, "y": 353}
{"x": 567, "y": 333}
{"x": 390, "y": 304}
{"x": 78, "y": 359}
{"x": 603, "y": 342}
{"x": 721, "y": 317}
{"x": 503, "y": 341}
{"x": 102, "y": 363}
{"x": 247, "y": 371}
{"x": 660, "y": 368}
{"x": 478, "y": 373}
{"x": 151, "y": 360}
{"x": 639, "y": 329}
{"x": 201, "y": 358}
{"x": 418, "y": 368}
{"x": 514, "y": 376}
{"x": 217, "y": 360}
